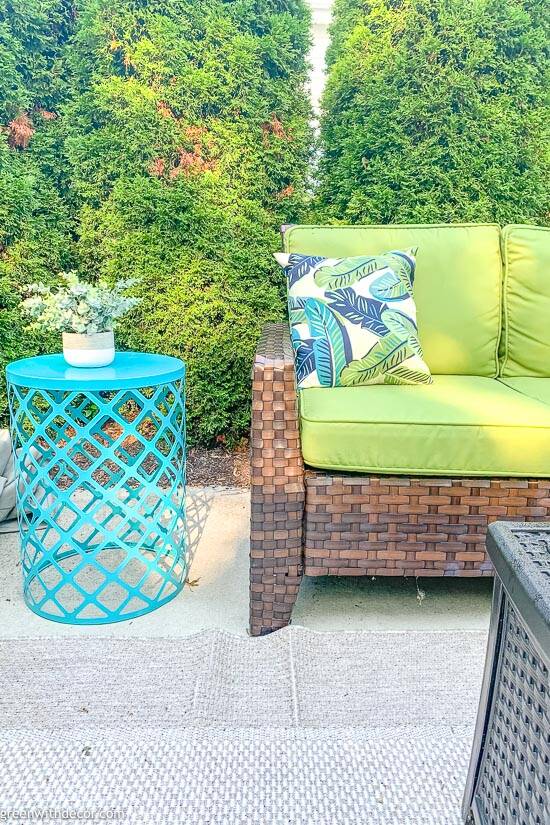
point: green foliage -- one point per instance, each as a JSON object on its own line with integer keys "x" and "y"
{"x": 181, "y": 143}
{"x": 35, "y": 223}
{"x": 436, "y": 110}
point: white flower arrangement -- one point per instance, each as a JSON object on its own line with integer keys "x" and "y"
{"x": 78, "y": 306}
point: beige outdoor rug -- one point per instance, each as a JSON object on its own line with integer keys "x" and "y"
{"x": 297, "y": 728}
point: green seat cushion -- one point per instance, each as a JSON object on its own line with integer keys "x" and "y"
{"x": 457, "y": 287}
{"x": 457, "y": 426}
{"x": 538, "y": 388}
{"x": 526, "y": 330}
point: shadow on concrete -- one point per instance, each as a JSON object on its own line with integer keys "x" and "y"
{"x": 197, "y": 509}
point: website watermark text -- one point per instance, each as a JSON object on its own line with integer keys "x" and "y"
{"x": 62, "y": 814}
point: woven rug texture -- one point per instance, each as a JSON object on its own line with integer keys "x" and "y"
{"x": 299, "y": 727}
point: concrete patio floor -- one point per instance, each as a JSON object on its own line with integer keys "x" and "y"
{"x": 219, "y": 599}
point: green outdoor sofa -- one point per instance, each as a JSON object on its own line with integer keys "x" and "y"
{"x": 403, "y": 480}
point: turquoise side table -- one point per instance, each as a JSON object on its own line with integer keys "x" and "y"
{"x": 100, "y": 461}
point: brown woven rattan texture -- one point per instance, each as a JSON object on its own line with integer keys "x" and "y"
{"x": 388, "y": 526}
{"x": 515, "y": 769}
{"x": 277, "y": 482}
{"x": 325, "y": 523}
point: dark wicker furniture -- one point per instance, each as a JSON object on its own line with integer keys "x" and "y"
{"x": 318, "y": 523}
{"x": 508, "y": 781}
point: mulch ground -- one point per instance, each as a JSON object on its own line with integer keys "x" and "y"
{"x": 218, "y": 467}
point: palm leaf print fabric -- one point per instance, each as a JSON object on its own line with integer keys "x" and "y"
{"x": 353, "y": 320}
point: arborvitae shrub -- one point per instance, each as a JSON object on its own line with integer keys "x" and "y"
{"x": 436, "y": 110}
{"x": 186, "y": 141}
{"x": 35, "y": 225}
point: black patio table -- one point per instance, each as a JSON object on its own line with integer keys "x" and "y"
{"x": 509, "y": 775}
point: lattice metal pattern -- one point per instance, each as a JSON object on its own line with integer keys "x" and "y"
{"x": 515, "y": 771}
{"x": 536, "y": 546}
{"x": 101, "y": 499}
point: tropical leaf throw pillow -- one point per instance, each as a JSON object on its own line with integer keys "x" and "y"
{"x": 353, "y": 320}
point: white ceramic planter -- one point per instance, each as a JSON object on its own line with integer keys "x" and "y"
{"x": 97, "y": 350}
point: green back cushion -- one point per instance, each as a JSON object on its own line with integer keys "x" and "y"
{"x": 526, "y": 338}
{"x": 457, "y": 287}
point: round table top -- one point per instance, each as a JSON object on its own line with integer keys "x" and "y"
{"x": 128, "y": 370}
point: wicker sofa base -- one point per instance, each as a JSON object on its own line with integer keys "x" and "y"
{"x": 324, "y": 523}
{"x": 388, "y": 526}
{"x": 380, "y": 526}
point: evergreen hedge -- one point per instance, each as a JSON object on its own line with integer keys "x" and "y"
{"x": 436, "y": 110}
{"x": 183, "y": 140}
{"x": 35, "y": 221}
